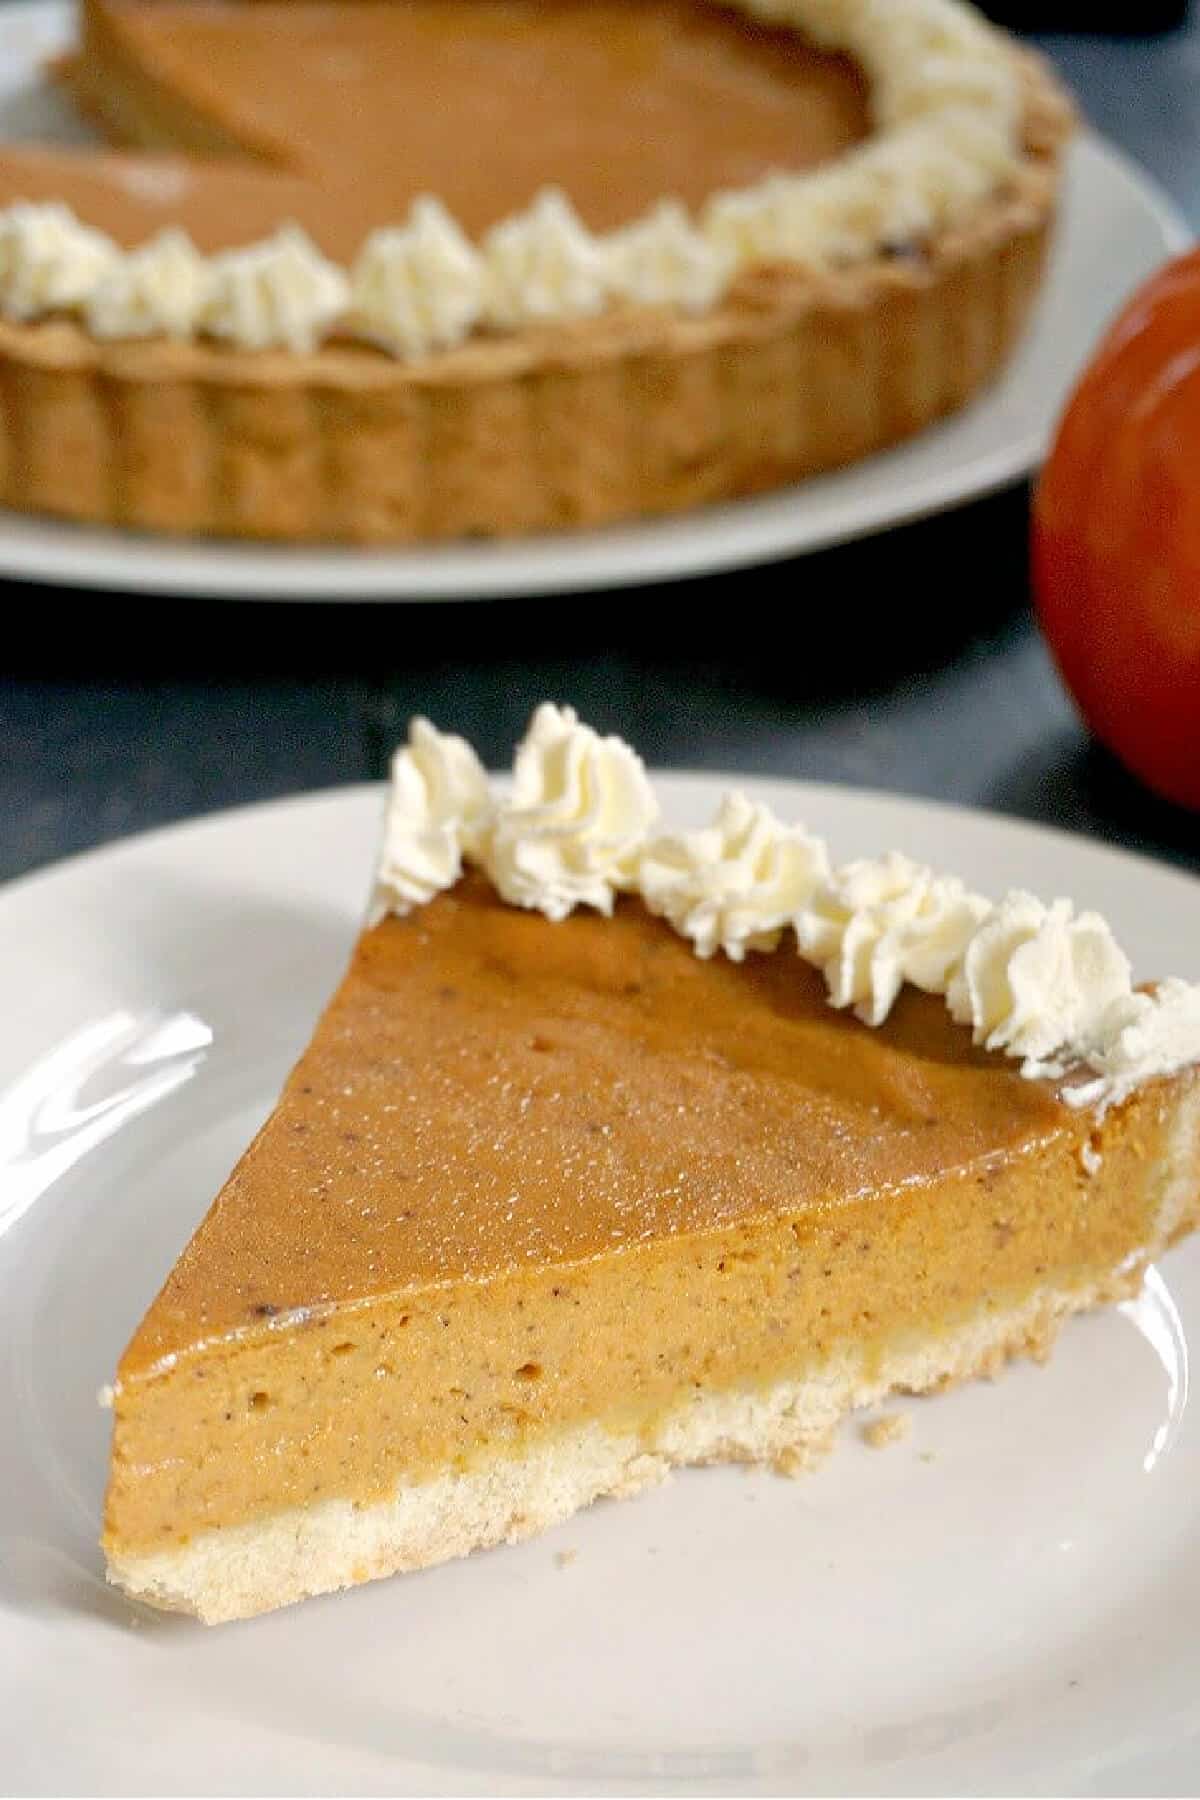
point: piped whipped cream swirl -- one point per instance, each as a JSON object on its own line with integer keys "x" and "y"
{"x": 572, "y": 832}
{"x": 160, "y": 290}
{"x": 439, "y": 810}
{"x": 663, "y": 260}
{"x": 1037, "y": 981}
{"x": 49, "y": 262}
{"x": 281, "y": 292}
{"x": 875, "y": 925}
{"x": 541, "y": 265}
{"x": 1139, "y": 1036}
{"x": 420, "y": 287}
{"x": 735, "y": 884}
{"x": 946, "y": 98}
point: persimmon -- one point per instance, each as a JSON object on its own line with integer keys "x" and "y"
{"x": 1116, "y": 536}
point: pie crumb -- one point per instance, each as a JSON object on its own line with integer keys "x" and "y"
{"x": 564, "y": 1558}
{"x": 891, "y": 1428}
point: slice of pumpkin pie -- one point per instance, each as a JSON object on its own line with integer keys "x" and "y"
{"x": 623, "y": 1150}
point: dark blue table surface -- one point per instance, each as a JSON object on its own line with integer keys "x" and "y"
{"x": 909, "y": 662}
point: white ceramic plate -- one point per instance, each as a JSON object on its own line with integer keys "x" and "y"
{"x": 1007, "y": 1602}
{"x": 1117, "y": 227}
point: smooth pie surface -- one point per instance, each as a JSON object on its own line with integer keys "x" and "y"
{"x": 481, "y": 102}
{"x": 491, "y": 1093}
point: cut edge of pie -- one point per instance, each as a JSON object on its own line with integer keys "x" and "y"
{"x": 637, "y": 412}
{"x": 245, "y": 1569}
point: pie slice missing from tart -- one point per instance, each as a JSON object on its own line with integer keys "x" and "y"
{"x": 583, "y": 1176}
{"x": 640, "y": 255}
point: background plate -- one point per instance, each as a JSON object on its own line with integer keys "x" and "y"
{"x": 1117, "y": 226}
{"x": 1007, "y": 1602}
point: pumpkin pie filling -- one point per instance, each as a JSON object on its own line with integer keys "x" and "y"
{"x": 530, "y": 1179}
{"x": 617, "y": 102}
{"x": 621, "y": 101}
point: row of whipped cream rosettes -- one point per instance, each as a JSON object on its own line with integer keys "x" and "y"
{"x": 1042, "y": 983}
{"x": 946, "y": 100}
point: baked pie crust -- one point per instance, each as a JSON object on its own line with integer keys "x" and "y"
{"x": 639, "y": 410}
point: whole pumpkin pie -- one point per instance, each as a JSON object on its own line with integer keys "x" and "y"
{"x": 583, "y": 1177}
{"x": 445, "y": 267}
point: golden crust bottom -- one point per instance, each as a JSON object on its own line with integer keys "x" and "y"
{"x": 637, "y": 414}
